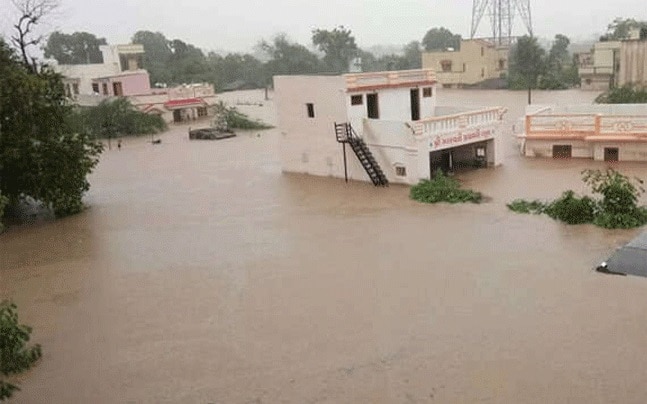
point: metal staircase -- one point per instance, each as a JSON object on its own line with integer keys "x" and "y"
{"x": 346, "y": 134}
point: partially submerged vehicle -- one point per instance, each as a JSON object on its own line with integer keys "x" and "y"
{"x": 210, "y": 134}
{"x": 628, "y": 260}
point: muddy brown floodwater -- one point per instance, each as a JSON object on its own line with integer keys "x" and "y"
{"x": 202, "y": 274}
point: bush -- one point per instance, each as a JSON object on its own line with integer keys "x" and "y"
{"x": 617, "y": 209}
{"x": 235, "y": 119}
{"x": 112, "y": 118}
{"x": 4, "y": 201}
{"x": 623, "y": 95}
{"x": 15, "y": 356}
{"x": 522, "y": 206}
{"x": 571, "y": 209}
{"x": 443, "y": 189}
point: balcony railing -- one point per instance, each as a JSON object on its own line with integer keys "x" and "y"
{"x": 355, "y": 81}
{"x": 589, "y": 127}
{"x": 453, "y": 123}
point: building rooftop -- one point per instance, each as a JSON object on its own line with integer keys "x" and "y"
{"x": 390, "y": 79}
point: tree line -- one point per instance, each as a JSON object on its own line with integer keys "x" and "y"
{"x": 174, "y": 61}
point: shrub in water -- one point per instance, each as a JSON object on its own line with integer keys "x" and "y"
{"x": 571, "y": 209}
{"x": 15, "y": 356}
{"x": 443, "y": 189}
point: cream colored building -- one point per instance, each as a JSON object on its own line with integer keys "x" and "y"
{"x": 379, "y": 127}
{"x": 478, "y": 60}
{"x": 608, "y": 132}
{"x": 598, "y": 69}
{"x": 633, "y": 63}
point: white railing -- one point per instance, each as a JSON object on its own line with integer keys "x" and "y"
{"x": 359, "y": 80}
{"x": 452, "y": 123}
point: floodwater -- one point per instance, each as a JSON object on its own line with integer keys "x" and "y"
{"x": 202, "y": 274}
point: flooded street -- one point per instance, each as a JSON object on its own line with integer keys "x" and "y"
{"x": 202, "y": 274}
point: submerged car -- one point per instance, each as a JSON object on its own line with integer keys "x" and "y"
{"x": 628, "y": 260}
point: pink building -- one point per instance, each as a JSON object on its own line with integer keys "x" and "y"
{"x": 123, "y": 84}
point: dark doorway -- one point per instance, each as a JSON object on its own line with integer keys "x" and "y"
{"x": 441, "y": 160}
{"x": 117, "y": 89}
{"x": 372, "y": 106}
{"x": 562, "y": 151}
{"x": 177, "y": 115}
{"x": 415, "y": 104}
{"x": 611, "y": 154}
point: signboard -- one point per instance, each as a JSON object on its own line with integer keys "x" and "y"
{"x": 461, "y": 138}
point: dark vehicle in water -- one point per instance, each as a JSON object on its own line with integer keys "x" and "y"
{"x": 628, "y": 260}
{"x": 210, "y": 134}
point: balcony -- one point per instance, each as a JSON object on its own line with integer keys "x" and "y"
{"x": 454, "y": 123}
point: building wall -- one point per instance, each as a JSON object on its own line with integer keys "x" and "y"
{"x": 597, "y": 72}
{"x": 394, "y": 145}
{"x": 476, "y": 61}
{"x": 86, "y": 73}
{"x": 309, "y": 145}
{"x": 633, "y": 63}
{"x": 131, "y": 84}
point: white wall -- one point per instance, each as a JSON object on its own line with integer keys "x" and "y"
{"x": 544, "y": 148}
{"x": 393, "y": 144}
{"x": 86, "y": 73}
{"x": 308, "y": 145}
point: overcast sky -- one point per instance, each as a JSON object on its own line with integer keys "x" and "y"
{"x": 238, "y": 25}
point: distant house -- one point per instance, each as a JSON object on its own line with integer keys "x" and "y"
{"x": 478, "y": 61}
{"x": 608, "y": 132}
{"x": 615, "y": 63}
{"x": 122, "y": 75}
{"x": 380, "y": 127}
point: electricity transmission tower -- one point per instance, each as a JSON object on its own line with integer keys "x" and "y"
{"x": 502, "y": 14}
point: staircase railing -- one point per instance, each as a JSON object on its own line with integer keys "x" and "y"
{"x": 346, "y": 135}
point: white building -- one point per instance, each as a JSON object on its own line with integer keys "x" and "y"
{"x": 388, "y": 122}
{"x": 609, "y": 132}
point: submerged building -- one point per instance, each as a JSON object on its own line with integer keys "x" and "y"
{"x": 122, "y": 74}
{"x": 380, "y": 127}
{"x": 609, "y": 132}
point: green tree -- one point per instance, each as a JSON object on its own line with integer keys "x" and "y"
{"x": 561, "y": 68}
{"x": 74, "y": 49}
{"x": 40, "y": 155}
{"x": 439, "y": 39}
{"x": 288, "y": 58}
{"x": 338, "y": 46}
{"x": 157, "y": 55}
{"x": 620, "y": 28}
{"x": 526, "y": 64}
{"x": 412, "y": 55}
{"x": 15, "y": 356}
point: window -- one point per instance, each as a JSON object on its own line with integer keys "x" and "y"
{"x": 75, "y": 88}
{"x": 105, "y": 88}
{"x": 202, "y": 111}
{"x": 446, "y": 65}
{"x": 501, "y": 64}
{"x": 95, "y": 88}
{"x": 356, "y": 99}
{"x": 311, "y": 110}
{"x": 401, "y": 171}
{"x": 372, "y": 106}
{"x": 427, "y": 92}
{"x": 464, "y": 67}
{"x": 483, "y": 72}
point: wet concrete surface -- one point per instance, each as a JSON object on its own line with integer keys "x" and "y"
{"x": 202, "y": 274}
